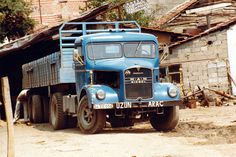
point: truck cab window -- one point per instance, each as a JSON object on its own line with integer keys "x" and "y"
{"x": 140, "y": 50}
{"x": 104, "y": 50}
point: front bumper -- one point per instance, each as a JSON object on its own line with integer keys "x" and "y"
{"x": 127, "y": 105}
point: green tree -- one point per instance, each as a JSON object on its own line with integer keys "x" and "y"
{"x": 14, "y": 19}
{"x": 141, "y": 17}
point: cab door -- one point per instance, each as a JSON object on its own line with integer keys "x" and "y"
{"x": 79, "y": 66}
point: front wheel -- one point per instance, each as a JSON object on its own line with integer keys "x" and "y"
{"x": 90, "y": 121}
{"x": 167, "y": 121}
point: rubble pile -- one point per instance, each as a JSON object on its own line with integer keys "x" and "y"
{"x": 206, "y": 97}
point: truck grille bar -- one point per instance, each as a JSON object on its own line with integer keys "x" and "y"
{"x": 138, "y": 83}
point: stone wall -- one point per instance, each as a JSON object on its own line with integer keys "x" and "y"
{"x": 203, "y": 60}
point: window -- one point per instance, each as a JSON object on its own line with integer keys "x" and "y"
{"x": 104, "y": 50}
{"x": 171, "y": 74}
{"x": 78, "y": 56}
{"x": 140, "y": 50}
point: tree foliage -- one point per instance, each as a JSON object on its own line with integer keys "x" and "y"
{"x": 141, "y": 17}
{"x": 14, "y": 19}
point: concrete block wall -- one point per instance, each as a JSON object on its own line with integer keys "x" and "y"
{"x": 203, "y": 61}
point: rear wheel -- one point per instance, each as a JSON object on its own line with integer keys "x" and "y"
{"x": 57, "y": 117}
{"x": 29, "y": 105}
{"x": 37, "y": 110}
{"x": 90, "y": 121}
{"x": 166, "y": 121}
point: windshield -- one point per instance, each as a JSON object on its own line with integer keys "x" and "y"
{"x": 104, "y": 50}
{"x": 140, "y": 50}
{"x": 116, "y": 50}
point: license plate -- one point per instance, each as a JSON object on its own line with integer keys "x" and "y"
{"x": 121, "y": 105}
{"x": 124, "y": 105}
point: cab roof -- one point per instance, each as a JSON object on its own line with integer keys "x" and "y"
{"x": 116, "y": 36}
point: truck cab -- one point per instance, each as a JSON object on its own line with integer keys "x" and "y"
{"x": 117, "y": 80}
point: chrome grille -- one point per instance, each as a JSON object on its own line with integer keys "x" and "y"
{"x": 138, "y": 83}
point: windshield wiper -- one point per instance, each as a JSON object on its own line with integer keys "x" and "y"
{"x": 135, "y": 53}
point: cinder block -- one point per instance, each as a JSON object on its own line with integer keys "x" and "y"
{"x": 205, "y": 48}
{"x": 212, "y": 80}
{"x": 217, "y": 42}
{"x": 223, "y": 79}
{"x": 212, "y": 37}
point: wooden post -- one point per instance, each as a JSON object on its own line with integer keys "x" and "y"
{"x": 9, "y": 117}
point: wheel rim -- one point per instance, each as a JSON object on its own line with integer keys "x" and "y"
{"x": 88, "y": 115}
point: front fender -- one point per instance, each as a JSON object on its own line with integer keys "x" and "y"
{"x": 111, "y": 94}
{"x": 161, "y": 92}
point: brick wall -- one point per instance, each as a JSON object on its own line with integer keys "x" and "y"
{"x": 55, "y": 11}
{"x": 203, "y": 61}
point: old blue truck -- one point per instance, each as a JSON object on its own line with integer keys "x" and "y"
{"x": 104, "y": 72}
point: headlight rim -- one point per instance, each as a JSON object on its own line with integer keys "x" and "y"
{"x": 170, "y": 91}
{"x": 99, "y": 96}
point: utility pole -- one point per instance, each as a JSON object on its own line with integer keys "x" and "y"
{"x": 9, "y": 116}
{"x": 40, "y": 12}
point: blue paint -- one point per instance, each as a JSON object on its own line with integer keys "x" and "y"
{"x": 160, "y": 92}
{"x": 59, "y": 68}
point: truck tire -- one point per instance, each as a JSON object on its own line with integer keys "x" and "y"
{"x": 45, "y": 109}
{"x": 90, "y": 121}
{"x": 37, "y": 110}
{"x": 166, "y": 121}
{"x": 29, "y": 105}
{"x": 57, "y": 117}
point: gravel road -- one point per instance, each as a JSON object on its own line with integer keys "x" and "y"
{"x": 205, "y": 132}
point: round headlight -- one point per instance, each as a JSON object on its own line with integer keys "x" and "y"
{"x": 101, "y": 94}
{"x": 172, "y": 91}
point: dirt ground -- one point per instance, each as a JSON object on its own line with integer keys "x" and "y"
{"x": 205, "y": 132}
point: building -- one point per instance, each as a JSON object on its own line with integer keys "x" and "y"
{"x": 196, "y": 16}
{"x": 207, "y": 59}
{"x": 163, "y": 6}
{"x": 52, "y": 12}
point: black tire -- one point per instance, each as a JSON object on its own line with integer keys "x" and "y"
{"x": 167, "y": 121}
{"x": 94, "y": 122}
{"x": 45, "y": 101}
{"x": 29, "y": 105}
{"x": 37, "y": 110}
{"x": 57, "y": 117}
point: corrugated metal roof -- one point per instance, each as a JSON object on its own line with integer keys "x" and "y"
{"x": 174, "y": 12}
{"x": 47, "y": 34}
{"x": 218, "y": 27}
